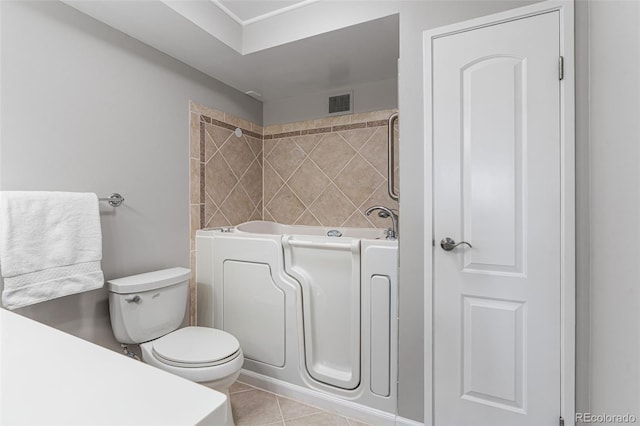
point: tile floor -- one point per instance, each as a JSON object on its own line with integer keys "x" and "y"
{"x": 252, "y": 406}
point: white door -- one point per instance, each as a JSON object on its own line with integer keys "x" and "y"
{"x": 496, "y": 163}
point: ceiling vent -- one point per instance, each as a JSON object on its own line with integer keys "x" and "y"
{"x": 341, "y": 103}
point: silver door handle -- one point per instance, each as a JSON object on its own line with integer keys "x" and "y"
{"x": 448, "y": 243}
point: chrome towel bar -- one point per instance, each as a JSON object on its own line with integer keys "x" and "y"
{"x": 114, "y": 199}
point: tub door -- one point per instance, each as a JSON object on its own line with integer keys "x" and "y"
{"x": 329, "y": 273}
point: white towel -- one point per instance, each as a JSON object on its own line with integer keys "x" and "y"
{"x": 50, "y": 245}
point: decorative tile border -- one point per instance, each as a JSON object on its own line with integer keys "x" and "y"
{"x": 337, "y": 128}
{"x": 227, "y": 126}
{"x": 329, "y": 124}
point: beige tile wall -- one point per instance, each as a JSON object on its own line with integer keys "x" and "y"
{"x": 225, "y": 174}
{"x": 327, "y": 171}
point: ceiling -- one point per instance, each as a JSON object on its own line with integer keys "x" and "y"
{"x": 247, "y": 11}
{"x": 349, "y": 56}
{"x": 337, "y": 59}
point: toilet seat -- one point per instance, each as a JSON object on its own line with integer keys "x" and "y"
{"x": 194, "y": 347}
{"x": 201, "y": 365}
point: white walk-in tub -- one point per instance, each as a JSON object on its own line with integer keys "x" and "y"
{"x": 316, "y": 315}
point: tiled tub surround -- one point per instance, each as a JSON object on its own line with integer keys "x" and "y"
{"x": 225, "y": 174}
{"x": 322, "y": 172}
{"x": 326, "y": 172}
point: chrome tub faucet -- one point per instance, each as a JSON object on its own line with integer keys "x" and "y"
{"x": 385, "y": 212}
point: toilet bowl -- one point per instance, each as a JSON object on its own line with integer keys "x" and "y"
{"x": 148, "y": 309}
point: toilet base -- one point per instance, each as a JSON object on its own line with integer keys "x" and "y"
{"x": 229, "y": 372}
{"x": 223, "y": 386}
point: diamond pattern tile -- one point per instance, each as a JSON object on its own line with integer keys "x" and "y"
{"x": 332, "y": 207}
{"x": 219, "y": 178}
{"x": 332, "y": 154}
{"x": 252, "y": 182}
{"x": 217, "y": 220}
{"x": 307, "y": 142}
{"x": 331, "y": 176}
{"x": 286, "y": 157}
{"x": 256, "y": 215}
{"x": 340, "y": 171}
{"x": 208, "y": 223}
{"x": 255, "y": 144}
{"x": 285, "y": 207}
{"x": 375, "y": 150}
{"x": 358, "y": 180}
{"x": 268, "y": 145}
{"x": 308, "y": 182}
{"x": 272, "y": 182}
{"x": 218, "y": 135}
{"x": 238, "y": 154}
{"x": 210, "y": 208}
{"x": 307, "y": 219}
{"x": 358, "y": 137}
{"x": 238, "y": 207}
{"x": 268, "y": 217}
{"x": 358, "y": 220}
{"x": 210, "y": 147}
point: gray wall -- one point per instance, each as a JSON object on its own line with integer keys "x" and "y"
{"x": 582, "y": 207}
{"x": 370, "y": 96}
{"x": 614, "y": 206}
{"x": 87, "y": 108}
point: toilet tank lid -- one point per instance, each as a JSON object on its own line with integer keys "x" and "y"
{"x": 148, "y": 281}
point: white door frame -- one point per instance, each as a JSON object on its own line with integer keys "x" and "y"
{"x": 567, "y": 176}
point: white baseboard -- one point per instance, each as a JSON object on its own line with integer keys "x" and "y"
{"x": 401, "y": 421}
{"x": 322, "y": 400}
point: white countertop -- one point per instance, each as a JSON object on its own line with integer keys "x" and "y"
{"x": 49, "y": 377}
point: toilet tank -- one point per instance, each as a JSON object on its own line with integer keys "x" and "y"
{"x": 146, "y": 306}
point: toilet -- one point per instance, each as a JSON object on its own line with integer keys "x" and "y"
{"x": 148, "y": 309}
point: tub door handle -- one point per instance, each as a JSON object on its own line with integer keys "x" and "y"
{"x": 314, "y": 244}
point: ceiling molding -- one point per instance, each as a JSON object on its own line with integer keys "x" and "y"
{"x": 263, "y": 16}
{"x": 228, "y": 12}
{"x": 201, "y": 35}
{"x": 209, "y": 17}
